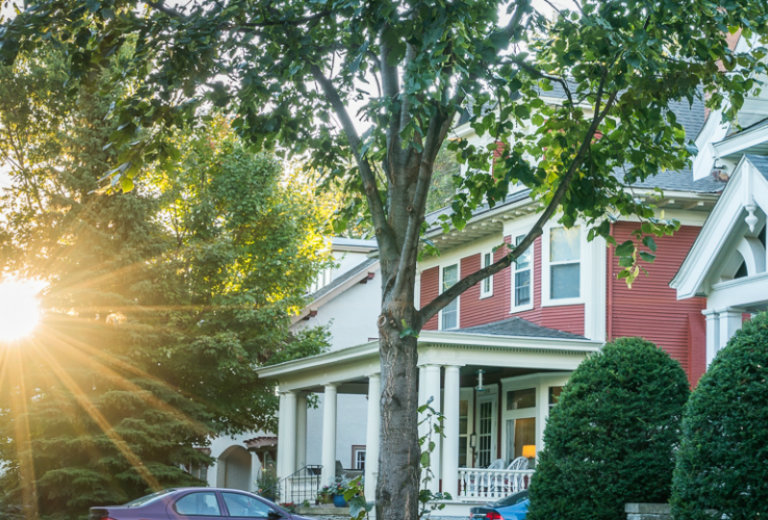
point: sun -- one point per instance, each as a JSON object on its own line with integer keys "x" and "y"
{"x": 19, "y": 309}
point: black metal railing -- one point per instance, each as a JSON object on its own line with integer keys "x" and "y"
{"x": 300, "y": 486}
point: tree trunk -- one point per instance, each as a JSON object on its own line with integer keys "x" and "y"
{"x": 398, "y": 480}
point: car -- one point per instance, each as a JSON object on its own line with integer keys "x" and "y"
{"x": 195, "y": 503}
{"x": 492, "y": 510}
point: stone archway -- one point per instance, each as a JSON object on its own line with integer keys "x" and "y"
{"x": 234, "y": 469}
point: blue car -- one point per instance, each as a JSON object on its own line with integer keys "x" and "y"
{"x": 512, "y": 507}
{"x": 513, "y": 512}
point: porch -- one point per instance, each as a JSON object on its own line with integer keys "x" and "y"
{"x": 494, "y": 391}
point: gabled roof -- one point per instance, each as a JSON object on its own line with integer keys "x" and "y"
{"x": 726, "y": 225}
{"x": 358, "y": 274}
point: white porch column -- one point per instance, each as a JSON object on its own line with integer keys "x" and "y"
{"x": 255, "y": 472}
{"x": 290, "y": 432}
{"x": 730, "y": 322}
{"x": 450, "y": 463}
{"x": 432, "y": 391}
{"x": 301, "y": 430}
{"x": 713, "y": 334}
{"x": 286, "y": 435}
{"x": 328, "y": 474}
{"x": 372, "y": 436}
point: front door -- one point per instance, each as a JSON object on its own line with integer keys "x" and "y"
{"x": 486, "y": 428}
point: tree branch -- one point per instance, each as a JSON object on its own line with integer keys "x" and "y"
{"x": 366, "y": 172}
{"x": 465, "y": 283}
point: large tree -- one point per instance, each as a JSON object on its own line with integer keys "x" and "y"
{"x": 369, "y": 91}
{"x": 160, "y": 300}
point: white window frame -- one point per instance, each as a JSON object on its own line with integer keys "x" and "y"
{"x": 357, "y": 449}
{"x": 541, "y": 382}
{"x": 491, "y": 395}
{"x": 513, "y": 270}
{"x": 457, "y": 300}
{"x": 546, "y": 299}
{"x": 486, "y": 284}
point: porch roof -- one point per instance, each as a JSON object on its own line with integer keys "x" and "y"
{"x": 460, "y": 347}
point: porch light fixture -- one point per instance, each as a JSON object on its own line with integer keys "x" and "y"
{"x": 473, "y": 440}
{"x": 480, "y": 387}
{"x": 529, "y": 451}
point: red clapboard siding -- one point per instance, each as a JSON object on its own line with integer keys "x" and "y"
{"x": 650, "y": 309}
{"x": 430, "y": 288}
{"x": 569, "y": 318}
{"x": 478, "y": 311}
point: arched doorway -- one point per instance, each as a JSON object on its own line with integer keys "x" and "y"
{"x": 234, "y": 469}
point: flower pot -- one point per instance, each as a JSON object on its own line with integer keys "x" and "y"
{"x": 338, "y": 501}
{"x": 324, "y": 499}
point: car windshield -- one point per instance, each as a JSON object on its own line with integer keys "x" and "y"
{"x": 149, "y": 498}
{"x": 512, "y": 499}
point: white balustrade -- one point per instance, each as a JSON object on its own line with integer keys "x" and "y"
{"x": 485, "y": 484}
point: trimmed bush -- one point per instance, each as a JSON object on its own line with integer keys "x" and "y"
{"x": 722, "y": 464}
{"x": 611, "y": 437}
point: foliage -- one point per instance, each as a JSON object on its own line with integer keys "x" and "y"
{"x": 268, "y": 484}
{"x": 433, "y": 421}
{"x": 160, "y": 300}
{"x": 611, "y": 437}
{"x": 294, "y": 68}
{"x": 723, "y": 455}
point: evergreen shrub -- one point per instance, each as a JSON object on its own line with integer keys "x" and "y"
{"x": 722, "y": 464}
{"x": 610, "y": 438}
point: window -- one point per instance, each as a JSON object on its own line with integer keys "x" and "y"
{"x": 486, "y": 286}
{"x": 198, "y": 504}
{"x": 517, "y": 399}
{"x": 245, "y": 506}
{"x": 358, "y": 457}
{"x": 564, "y": 263}
{"x": 520, "y": 432}
{"x": 449, "y": 316}
{"x": 554, "y": 395}
{"x": 521, "y": 277}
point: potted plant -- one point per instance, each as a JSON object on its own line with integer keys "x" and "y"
{"x": 338, "y": 493}
{"x": 325, "y": 495}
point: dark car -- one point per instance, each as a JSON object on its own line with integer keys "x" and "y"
{"x": 197, "y": 504}
{"x": 483, "y": 512}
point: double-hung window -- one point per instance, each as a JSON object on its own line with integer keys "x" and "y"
{"x": 564, "y": 263}
{"x": 449, "y": 316}
{"x": 486, "y": 286}
{"x": 522, "y": 296}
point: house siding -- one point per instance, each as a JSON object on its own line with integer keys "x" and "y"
{"x": 474, "y": 310}
{"x": 430, "y": 288}
{"x": 650, "y": 308}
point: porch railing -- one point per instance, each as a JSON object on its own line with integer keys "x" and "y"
{"x": 492, "y": 484}
{"x": 300, "y": 486}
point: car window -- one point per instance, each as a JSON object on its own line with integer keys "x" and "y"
{"x": 198, "y": 504}
{"x": 245, "y": 506}
{"x": 148, "y": 498}
{"x": 512, "y": 499}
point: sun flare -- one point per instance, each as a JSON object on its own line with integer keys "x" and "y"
{"x": 19, "y": 309}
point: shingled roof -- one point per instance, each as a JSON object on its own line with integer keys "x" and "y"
{"x": 518, "y": 327}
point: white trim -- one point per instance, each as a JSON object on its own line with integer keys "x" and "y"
{"x": 513, "y": 271}
{"x": 457, "y": 300}
{"x": 741, "y": 141}
{"x": 540, "y": 382}
{"x": 490, "y": 395}
{"x": 488, "y": 280}
{"x": 546, "y": 300}
{"x": 747, "y": 185}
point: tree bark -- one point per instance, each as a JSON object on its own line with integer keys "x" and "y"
{"x": 397, "y": 489}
